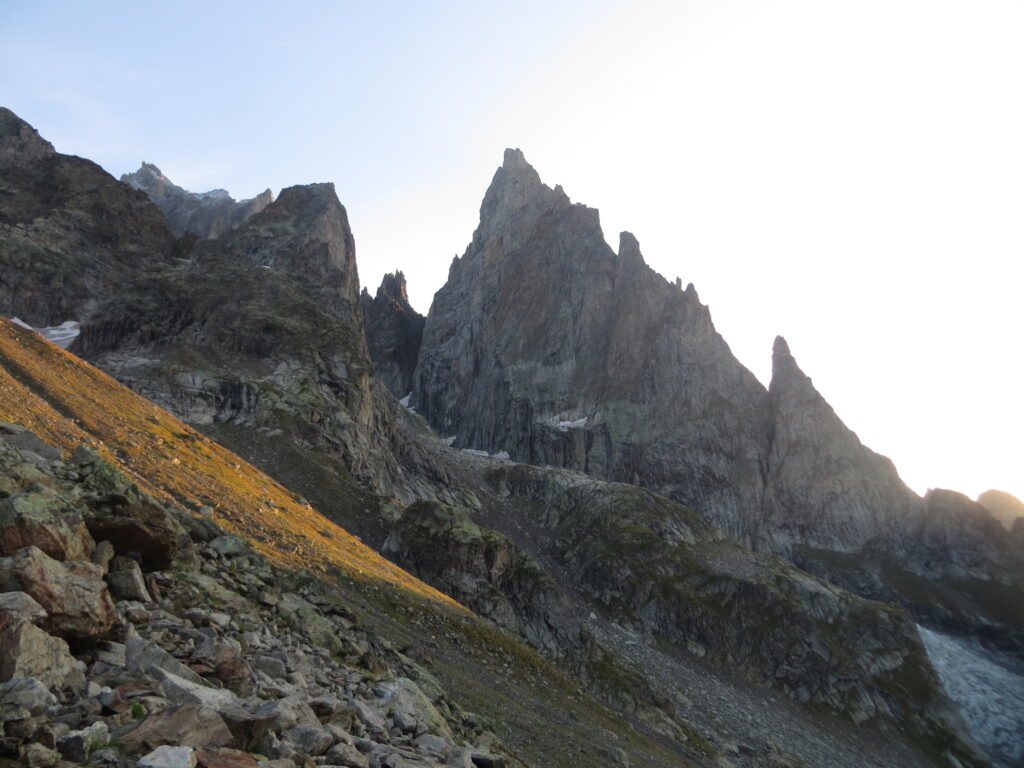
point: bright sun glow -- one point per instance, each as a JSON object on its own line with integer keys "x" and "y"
{"x": 848, "y": 175}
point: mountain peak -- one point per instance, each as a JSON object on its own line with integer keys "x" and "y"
{"x": 19, "y": 141}
{"x": 629, "y": 249}
{"x": 393, "y": 288}
{"x": 786, "y": 373}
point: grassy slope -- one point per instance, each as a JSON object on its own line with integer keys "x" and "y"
{"x": 537, "y": 712}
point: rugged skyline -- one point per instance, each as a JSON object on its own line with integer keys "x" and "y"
{"x": 862, "y": 206}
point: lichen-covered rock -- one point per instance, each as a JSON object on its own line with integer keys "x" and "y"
{"x": 44, "y": 519}
{"x": 73, "y": 594}
{"x": 487, "y": 572}
{"x": 29, "y": 652}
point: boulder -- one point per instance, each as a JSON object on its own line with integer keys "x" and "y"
{"x": 26, "y": 693}
{"x": 76, "y": 746}
{"x": 19, "y": 605}
{"x": 73, "y": 594}
{"x": 142, "y": 530}
{"x": 46, "y": 520}
{"x": 169, "y": 757}
{"x": 126, "y": 581}
{"x": 186, "y": 725}
{"x": 28, "y": 652}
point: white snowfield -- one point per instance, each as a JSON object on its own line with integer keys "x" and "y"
{"x": 988, "y": 689}
{"x": 62, "y": 335}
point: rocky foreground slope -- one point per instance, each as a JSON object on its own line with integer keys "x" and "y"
{"x": 152, "y": 595}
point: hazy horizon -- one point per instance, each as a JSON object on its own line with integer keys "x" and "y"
{"x": 846, "y": 177}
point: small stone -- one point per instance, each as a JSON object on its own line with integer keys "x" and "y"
{"x": 347, "y": 755}
{"x": 126, "y": 581}
{"x": 103, "y": 554}
{"x": 76, "y": 746}
{"x": 38, "y": 756}
{"x": 311, "y": 741}
{"x": 229, "y": 545}
{"x": 169, "y": 757}
{"x": 225, "y": 758}
{"x": 27, "y": 693}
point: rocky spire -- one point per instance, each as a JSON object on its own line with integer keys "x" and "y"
{"x": 393, "y": 287}
{"x": 19, "y": 141}
{"x": 825, "y": 488}
{"x": 515, "y": 199}
{"x": 394, "y": 331}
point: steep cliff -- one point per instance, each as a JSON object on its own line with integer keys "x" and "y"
{"x": 203, "y": 214}
{"x": 394, "y": 331}
{"x": 70, "y": 234}
{"x": 262, "y": 329}
{"x": 548, "y": 345}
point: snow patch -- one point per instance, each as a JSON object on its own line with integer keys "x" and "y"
{"x": 565, "y": 426}
{"x": 987, "y": 688}
{"x": 405, "y": 400}
{"x": 501, "y": 455}
{"x": 62, "y": 335}
{"x": 449, "y": 441}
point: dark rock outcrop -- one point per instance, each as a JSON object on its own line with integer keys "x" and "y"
{"x": 260, "y": 329}
{"x": 394, "y": 331}
{"x": 70, "y": 234}
{"x": 203, "y": 214}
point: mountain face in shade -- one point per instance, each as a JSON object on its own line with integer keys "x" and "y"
{"x": 394, "y": 331}
{"x": 259, "y": 329}
{"x": 547, "y": 344}
{"x": 204, "y": 214}
{"x": 825, "y": 488}
{"x": 72, "y": 235}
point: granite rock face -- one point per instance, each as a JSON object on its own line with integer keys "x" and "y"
{"x": 71, "y": 233}
{"x": 394, "y": 331}
{"x": 531, "y": 347}
{"x": 258, "y": 335}
{"x": 825, "y": 489}
{"x": 203, "y": 214}
{"x": 546, "y": 344}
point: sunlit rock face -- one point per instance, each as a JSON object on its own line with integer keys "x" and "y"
{"x": 204, "y": 214}
{"x": 394, "y": 331}
{"x": 988, "y": 688}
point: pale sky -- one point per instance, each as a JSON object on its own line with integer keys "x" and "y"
{"x": 847, "y": 174}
